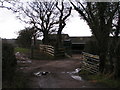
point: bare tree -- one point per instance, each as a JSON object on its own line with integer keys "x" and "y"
{"x": 64, "y": 13}
{"x": 99, "y": 17}
{"x": 45, "y": 16}
{"x": 39, "y": 14}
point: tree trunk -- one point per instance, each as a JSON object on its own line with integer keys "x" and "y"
{"x": 102, "y": 61}
{"x": 59, "y": 44}
{"x": 103, "y": 48}
{"x": 45, "y": 37}
{"x": 59, "y": 39}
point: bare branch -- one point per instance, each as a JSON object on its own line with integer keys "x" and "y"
{"x": 67, "y": 14}
{"x": 80, "y": 12}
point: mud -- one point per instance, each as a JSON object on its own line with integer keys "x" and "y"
{"x": 56, "y": 74}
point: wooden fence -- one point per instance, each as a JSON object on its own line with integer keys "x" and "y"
{"x": 90, "y": 62}
{"x": 48, "y": 49}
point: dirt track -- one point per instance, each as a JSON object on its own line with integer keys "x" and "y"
{"x": 61, "y": 73}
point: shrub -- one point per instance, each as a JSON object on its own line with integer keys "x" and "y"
{"x": 8, "y": 61}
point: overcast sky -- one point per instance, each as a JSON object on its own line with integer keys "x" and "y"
{"x": 9, "y": 25}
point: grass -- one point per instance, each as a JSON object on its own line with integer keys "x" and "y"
{"x": 105, "y": 80}
{"x": 22, "y": 50}
{"x": 102, "y": 79}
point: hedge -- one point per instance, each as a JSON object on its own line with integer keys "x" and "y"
{"x": 8, "y": 61}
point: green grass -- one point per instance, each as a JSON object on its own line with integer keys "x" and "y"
{"x": 22, "y": 50}
{"x": 101, "y": 79}
{"x": 105, "y": 80}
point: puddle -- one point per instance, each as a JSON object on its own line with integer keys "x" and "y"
{"x": 76, "y": 77}
{"x": 77, "y": 70}
{"x": 74, "y": 74}
{"x": 41, "y": 73}
{"x": 37, "y": 74}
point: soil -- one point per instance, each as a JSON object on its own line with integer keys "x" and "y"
{"x": 58, "y": 73}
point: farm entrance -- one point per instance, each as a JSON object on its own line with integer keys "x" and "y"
{"x": 77, "y": 48}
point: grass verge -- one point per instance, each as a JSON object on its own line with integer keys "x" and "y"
{"x": 102, "y": 79}
{"x": 22, "y": 50}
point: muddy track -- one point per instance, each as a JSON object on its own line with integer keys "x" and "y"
{"x": 60, "y": 74}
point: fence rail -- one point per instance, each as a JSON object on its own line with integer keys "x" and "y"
{"x": 48, "y": 49}
{"x": 90, "y": 62}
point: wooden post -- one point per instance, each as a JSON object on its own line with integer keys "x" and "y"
{"x": 32, "y": 47}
